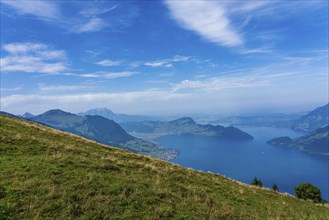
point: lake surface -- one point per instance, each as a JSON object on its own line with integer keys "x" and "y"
{"x": 243, "y": 161}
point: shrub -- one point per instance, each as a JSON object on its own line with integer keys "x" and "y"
{"x": 308, "y": 191}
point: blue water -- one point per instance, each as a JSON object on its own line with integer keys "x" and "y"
{"x": 245, "y": 160}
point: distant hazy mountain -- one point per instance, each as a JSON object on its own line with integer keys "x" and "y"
{"x": 315, "y": 119}
{"x": 107, "y": 113}
{"x": 262, "y": 119}
{"x": 101, "y": 130}
{"x": 8, "y": 114}
{"x": 184, "y": 125}
{"x": 27, "y": 115}
{"x": 314, "y": 142}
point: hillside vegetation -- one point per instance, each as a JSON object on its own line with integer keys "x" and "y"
{"x": 49, "y": 174}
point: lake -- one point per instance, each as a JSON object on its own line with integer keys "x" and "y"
{"x": 243, "y": 161}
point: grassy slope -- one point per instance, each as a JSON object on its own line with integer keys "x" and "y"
{"x": 49, "y": 174}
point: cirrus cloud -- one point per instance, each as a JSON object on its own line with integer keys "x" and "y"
{"x": 206, "y": 18}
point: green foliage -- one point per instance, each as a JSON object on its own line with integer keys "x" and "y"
{"x": 275, "y": 187}
{"x": 49, "y": 174}
{"x": 308, "y": 191}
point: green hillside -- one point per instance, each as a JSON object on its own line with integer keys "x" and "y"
{"x": 49, "y": 174}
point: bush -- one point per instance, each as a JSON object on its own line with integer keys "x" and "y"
{"x": 308, "y": 191}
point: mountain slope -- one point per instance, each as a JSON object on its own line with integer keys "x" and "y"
{"x": 49, "y": 174}
{"x": 92, "y": 127}
{"x": 313, "y": 120}
{"x": 184, "y": 125}
{"x": 314, "y": 142}
{"x": 102, "y": 130}
{"x": 107, "y": 113}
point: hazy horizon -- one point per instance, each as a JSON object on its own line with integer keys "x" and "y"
{"x": 182, "y": 114}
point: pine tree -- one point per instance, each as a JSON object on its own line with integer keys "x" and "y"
{"x": 275, "y": 187}
{"x": 255, "y": 182}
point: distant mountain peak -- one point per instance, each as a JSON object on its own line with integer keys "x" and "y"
{"x": 107, "y": 113}
{"x": 182, "y": 121}
{"x": 102, "y": 109}
{"x": 27, "y": 115}
{"x": 56, "y": 112}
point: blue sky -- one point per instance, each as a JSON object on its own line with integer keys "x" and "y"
{"x": 164, "y": 57}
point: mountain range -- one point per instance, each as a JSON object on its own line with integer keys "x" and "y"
{"x": 102, "y": 130}
{"x": 107, "y": 113}
{"x": 316, "y": 142}
{"x": 182, "y": 126}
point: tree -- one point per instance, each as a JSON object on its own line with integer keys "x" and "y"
{"x": 275, "y": 187}
{"x": 308, "y": 191}
{"x": 257, "y": 182}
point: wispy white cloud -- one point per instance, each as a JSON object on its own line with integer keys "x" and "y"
{"x": 17, "y": 48}
{"x": 107, "y": 62}
{"x": 11, "y": 89}
{"x": 167, "y": 62}
{"x": 256, "y": 50}
{"x": 95, "y": 11}
{"x": 32, "y": 57}
{"x": 105, "y": 75}
{"x": 208, "y": 19}
{"x": 47, "y": 88}
{"x": 301, "y": 59}
{"x": 42, "y": 9}
{"x": 246, "y": 6}
{"x": 218, "y": 84}
{"x": 179, "y": 58}
{"x": 158, "y": 64}
{"x": 90, "y": 17}
{"x": 92, "y": 25}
